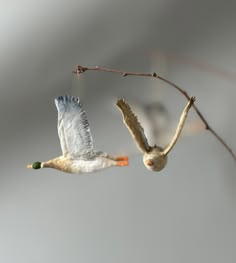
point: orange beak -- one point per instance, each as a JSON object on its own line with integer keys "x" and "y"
{"x": 149, "y": 162}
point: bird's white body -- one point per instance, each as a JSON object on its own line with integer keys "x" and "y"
{"x": 92, "y": 165}
{"x": 80, "y": 165}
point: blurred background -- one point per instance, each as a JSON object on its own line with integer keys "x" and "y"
{"x": 186, "y": 213}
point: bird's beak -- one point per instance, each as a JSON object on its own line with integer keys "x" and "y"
{"x": 29, "y": 166}
{"x": 149, "y": 162}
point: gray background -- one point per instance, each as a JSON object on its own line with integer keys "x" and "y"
{"x": 125, "y": 214}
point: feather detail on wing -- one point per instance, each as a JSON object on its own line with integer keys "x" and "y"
{"x": 135, "y": 128}
{"x": 73, "y": 127}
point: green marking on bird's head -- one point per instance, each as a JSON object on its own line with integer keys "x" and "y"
{"x": 36, "y": 165}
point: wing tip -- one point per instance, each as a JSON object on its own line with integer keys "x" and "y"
{"x": 120, "y": 101}
{"x": 67, "y": 100}
{"x": 122, "y": 104}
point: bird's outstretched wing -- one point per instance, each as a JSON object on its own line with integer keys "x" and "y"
{"x": 73, "y": 127}
{"x": 134, "y": 126}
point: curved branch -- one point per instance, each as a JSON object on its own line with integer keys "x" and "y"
{"x": 80, "y": 69}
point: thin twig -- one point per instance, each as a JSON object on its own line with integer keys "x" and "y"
{"x": 81, "y": 69}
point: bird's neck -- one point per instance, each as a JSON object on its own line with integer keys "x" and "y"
{"x": 48, "y": 164}
{"x": 56, "y": 163}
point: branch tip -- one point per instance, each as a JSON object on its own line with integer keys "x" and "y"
{"x": 80, "y": 69}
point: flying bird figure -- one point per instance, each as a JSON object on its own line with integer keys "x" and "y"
{"x": 78, "y": 154}
{"x": 154, "y": 157}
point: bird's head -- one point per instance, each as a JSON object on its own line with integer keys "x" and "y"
{"x": 155, "y": 160}
{"x": 36, "y": 165}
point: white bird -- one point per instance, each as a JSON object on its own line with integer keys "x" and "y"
{"x": 78, "y": 154}
{"x": 154, "y": 157}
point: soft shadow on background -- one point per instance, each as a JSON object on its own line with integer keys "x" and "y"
{"x": 186, "y": 213}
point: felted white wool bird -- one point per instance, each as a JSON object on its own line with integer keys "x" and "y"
{"x": 154, "y": 157}
{"x": 78, "y": 154}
